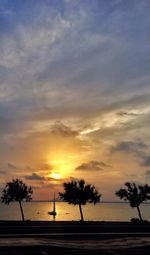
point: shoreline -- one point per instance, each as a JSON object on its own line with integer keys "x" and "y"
{"x": 73, "y": 227}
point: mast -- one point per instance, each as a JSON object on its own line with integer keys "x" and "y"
{"x": 53, "y": 212}
{"x": 54, "y": 208}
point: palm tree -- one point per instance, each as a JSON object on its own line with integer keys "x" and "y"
{"x": 136, "y": 195}
{"x": 77, "y": 192}
{"x": 16, "y": 190}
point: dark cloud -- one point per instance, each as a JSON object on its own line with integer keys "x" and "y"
{"x": 29, "y": 168}
{"x": 37, "y": 177}
{"x": 123, "y": 113}
{"x": 146, "y": 161}
{"x": 147, "y": 173}
{"x": 12, "y": 166}
{"x": 45, "y": 186}
{"x": 92, "y": 166}
{"x": 129, "y": 146}
{"x": 2, "y": 172}
{"x": 62, "y": 130}
{"x": 104, "y": 164}
{"x": 45, "y": 167}
{"x": 34, "y": 177}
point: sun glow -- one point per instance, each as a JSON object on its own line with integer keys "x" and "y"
{"x": 60, "y": 168}
{"x": 56, "y": 176}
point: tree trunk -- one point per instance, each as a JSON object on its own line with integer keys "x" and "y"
{"x": 82, "y": 219}
{"x": 22, "y": 214}
{"x": 140, "y": 216}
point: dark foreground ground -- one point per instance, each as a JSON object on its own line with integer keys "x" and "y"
{"x": 70, "y": 238}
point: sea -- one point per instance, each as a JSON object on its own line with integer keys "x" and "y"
{"x": 104, "y": 211}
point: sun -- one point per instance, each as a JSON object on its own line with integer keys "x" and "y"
{"x": 56, "y": 176}
{"x": 61, "y": 165}
{"x": 60, "y": 168}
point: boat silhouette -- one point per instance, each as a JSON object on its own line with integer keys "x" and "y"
{"x": 53, "y": 212}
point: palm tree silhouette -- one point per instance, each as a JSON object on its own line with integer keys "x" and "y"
{"x": 16, "y": 190}
{"x": 136, "y": 195}
{"x": 77, "y": 192}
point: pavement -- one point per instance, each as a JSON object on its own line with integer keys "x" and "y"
{"x": 47, "y": 246}
{"x": 41, "y": 238}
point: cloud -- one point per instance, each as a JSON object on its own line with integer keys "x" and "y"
{"x": 92, "y": 166}
{"x": 146, "y": 161}
{"x": 129, "y": 146}
{"x": 147, "y": 173}
{"x": 124, "y": 113}
{"x": 48, "y": 185}
{"x": 34, "y": 177}
{"x": 37, "y": 177}
{"x": 45, "y": 167}
{"x": 12, "y": 166}
{"x": 62, "y": 130}
{"x": 29, "y": 168}
{"x": 57, "y": 63}
{"x": 49, "y": 39}
{"x": 2, "y": 172}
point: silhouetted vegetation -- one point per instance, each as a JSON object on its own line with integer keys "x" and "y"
{"x": 77, "y": 192}
{"x": 17, "y": 191}
{"x": 136, "y": 195}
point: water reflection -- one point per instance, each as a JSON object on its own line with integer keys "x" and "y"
{"x": 100, "y": 212}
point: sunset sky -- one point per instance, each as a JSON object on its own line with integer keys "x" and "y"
{"x": 75, "y": 93}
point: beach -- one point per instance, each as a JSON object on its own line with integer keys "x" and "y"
{"x": 33, "y": 237}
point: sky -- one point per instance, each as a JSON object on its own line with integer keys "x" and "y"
{"x": 74, "y": 93}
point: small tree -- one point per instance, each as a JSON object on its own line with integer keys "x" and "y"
{"x": 136, "y": 195}
{"x": 77, "y": 192}
{"x": 17, "y": 191}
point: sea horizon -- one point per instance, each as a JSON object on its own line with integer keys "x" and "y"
{"x": 51, "y": 200}
{"x": 104, "y": 211}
